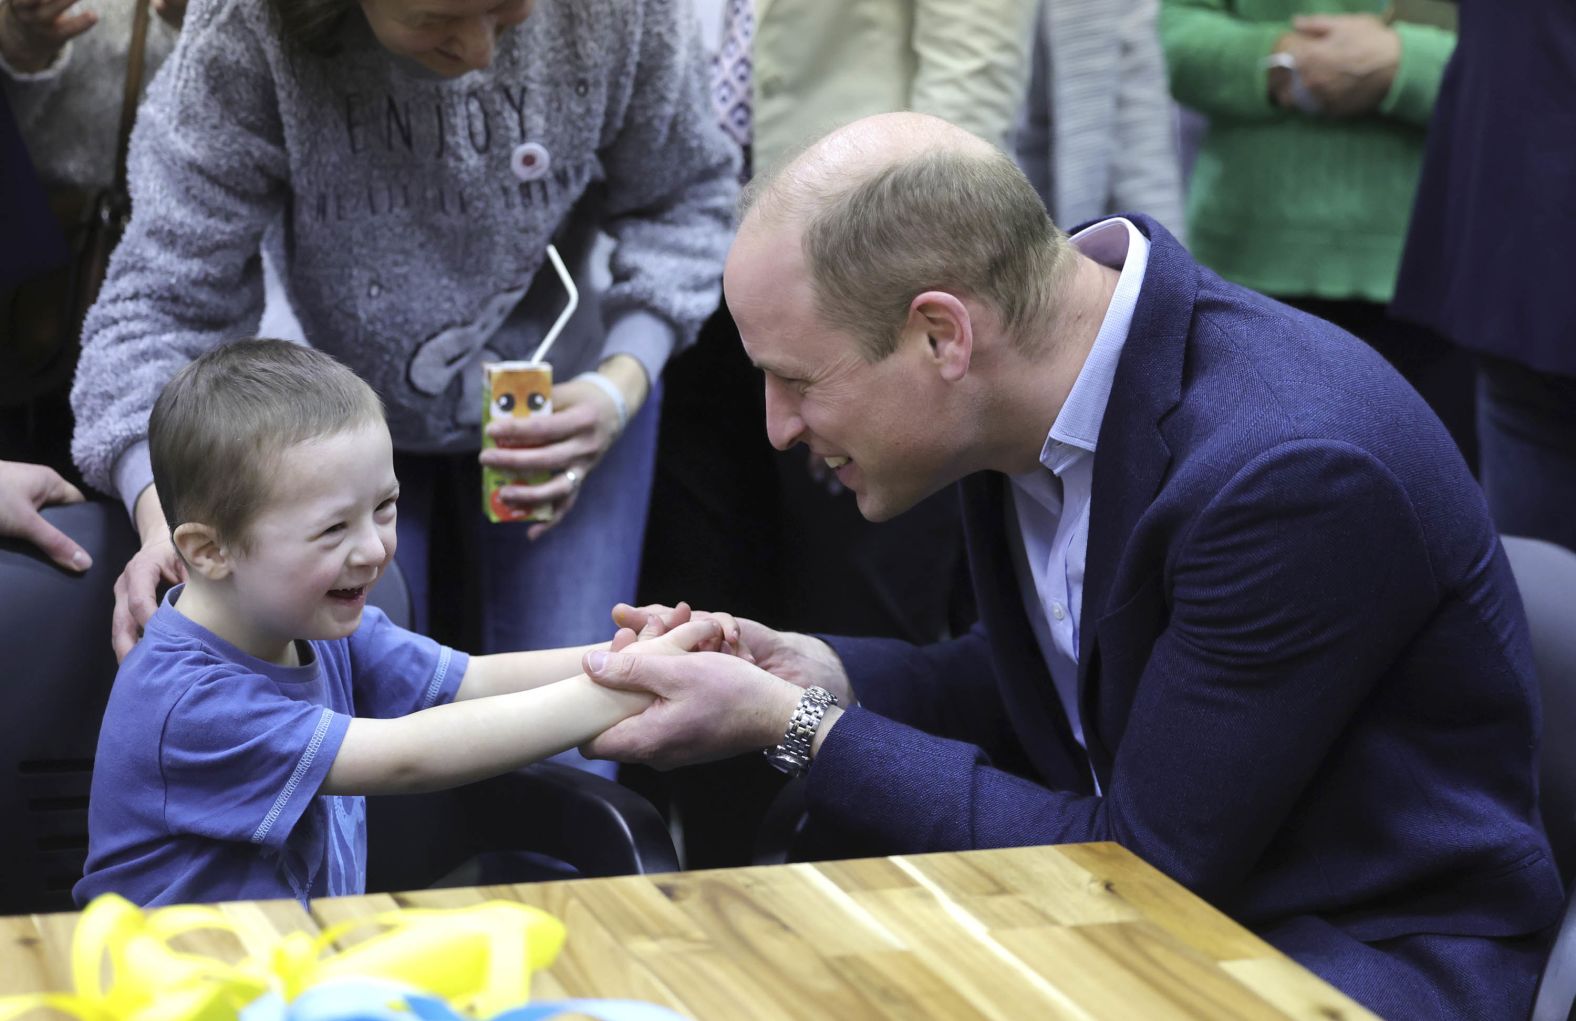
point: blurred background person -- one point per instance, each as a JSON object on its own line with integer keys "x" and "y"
{"x": 1486, "y": 263}
{"x": 1099, "y": 132}
{"x": 63, "y": 70}
{"x": 1318, "y": 112}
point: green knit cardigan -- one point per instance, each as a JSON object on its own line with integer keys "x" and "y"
{"x": 1283, "y": 202}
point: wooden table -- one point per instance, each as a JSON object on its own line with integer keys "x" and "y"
{"x": 1078, "y": 931}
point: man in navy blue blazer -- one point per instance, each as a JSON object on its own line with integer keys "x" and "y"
{"x": 1242, "y": 607}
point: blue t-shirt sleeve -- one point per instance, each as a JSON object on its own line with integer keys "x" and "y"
{"x": 242, "y": 760}
{"x": 398, "y": 672}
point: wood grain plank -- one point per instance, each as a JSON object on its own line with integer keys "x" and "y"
{"x": 962, "y": 952}
{"x": 35, "y": 956}
{"x": 1296, "y": 991}
{"x": 1031, "y": 887}
{"x": 1168, "y": 904}
{"x": 1124, "y": 970}
{"x": 901, "y": 985}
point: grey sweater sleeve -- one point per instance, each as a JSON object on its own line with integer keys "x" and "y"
{"x": 206, "y": 169}
{"x": 672, "y": 223}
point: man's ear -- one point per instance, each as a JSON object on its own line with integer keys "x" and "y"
{"x": 948, "y": 329}
{"x": 199, "y": 546}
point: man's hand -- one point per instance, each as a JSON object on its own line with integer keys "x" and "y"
{"x": 799, "y": 659}
{"x": 24, "y": 488}
{"x": 33, "y": 32}
{"x": 707, "y": 706}
{"x": 1347, "y": 61}
{"x": 137, "y": 588}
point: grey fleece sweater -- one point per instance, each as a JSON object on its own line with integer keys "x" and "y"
{"x": 407, "y": 241}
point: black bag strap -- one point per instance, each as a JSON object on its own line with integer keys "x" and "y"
{"x": 135, "y": 61}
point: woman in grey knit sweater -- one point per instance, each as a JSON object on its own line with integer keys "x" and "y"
{"x": 405, "y": 163}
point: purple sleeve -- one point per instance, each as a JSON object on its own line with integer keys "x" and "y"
{"x": 398, "y": 672}
{"x": 242, "y": 761}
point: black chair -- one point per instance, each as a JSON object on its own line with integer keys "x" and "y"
{"x": 54, "y": 637}
{"x": 1546, "y": 575}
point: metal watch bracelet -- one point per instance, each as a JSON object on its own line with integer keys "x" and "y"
{"x": 792, "y": 756}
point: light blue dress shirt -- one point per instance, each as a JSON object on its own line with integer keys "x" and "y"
{"x": 1048, "y": 516}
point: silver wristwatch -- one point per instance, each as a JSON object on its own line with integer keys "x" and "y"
{"x": 793, "y": 755}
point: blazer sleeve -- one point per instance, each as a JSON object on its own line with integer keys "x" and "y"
{"x": 947, "y": 688}
{"x": 1214, "y": 58}
{"x": 972, "y": 63}
{"x": 1291, "y": 592}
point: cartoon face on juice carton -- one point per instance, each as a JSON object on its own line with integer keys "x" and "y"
{"x": 518, "y": 390}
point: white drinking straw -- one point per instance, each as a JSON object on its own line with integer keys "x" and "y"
{"x": 569, "y": 309}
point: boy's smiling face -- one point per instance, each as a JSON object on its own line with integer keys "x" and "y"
{"x": 317, "y": 546}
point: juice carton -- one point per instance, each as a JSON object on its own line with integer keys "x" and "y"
{"x": 518, "y": 389}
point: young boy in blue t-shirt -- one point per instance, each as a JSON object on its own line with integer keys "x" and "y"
{"x": 265, "y": 697}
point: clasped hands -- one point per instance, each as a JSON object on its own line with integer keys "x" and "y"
{"x": 734, "y": 695}
{"x": 1347, "y": 62}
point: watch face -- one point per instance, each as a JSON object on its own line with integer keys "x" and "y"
{"x": 788, "y": 763}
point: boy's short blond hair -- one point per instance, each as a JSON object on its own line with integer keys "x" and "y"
{"x": 219, "y": 426}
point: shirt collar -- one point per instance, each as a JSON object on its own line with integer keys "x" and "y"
{"x": 1116, "y": 243}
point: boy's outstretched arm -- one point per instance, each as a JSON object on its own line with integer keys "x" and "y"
{"x": 462, "y": 742}
{"x": 505, "y": 672}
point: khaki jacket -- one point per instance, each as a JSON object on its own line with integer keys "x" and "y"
{"x": 822, "y": 63}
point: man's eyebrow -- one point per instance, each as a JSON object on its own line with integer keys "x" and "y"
{"x": 775, "y": 370}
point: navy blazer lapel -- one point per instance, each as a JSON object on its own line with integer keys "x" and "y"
{"x": 1022, "y": 677}
{"x": 1131, "y": 455}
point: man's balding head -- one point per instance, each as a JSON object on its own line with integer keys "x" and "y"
{"x": 898, "y": 204}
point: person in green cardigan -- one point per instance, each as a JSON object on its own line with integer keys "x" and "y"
{"x": 1303, "y": 185}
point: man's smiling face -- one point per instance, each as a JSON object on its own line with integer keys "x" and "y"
{"x": 873, "y": 423}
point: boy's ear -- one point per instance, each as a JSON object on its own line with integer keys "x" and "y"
{"x": 199, "y": 546}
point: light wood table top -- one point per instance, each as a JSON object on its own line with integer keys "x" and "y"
{"x": 1083, "y": 931}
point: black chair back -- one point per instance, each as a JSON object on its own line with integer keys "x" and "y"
{"x": 1546, "y": 575}
{"x": 54, "y": 635}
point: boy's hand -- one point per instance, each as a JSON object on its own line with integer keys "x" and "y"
{"x": 691, "y": 636}
{"x": 802, "y": 659}
{"x": 654, "y": 621}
